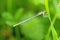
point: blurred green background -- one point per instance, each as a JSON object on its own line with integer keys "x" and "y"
{"x": 39, "y": 28}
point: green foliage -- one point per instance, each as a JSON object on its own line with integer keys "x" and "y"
{"x": 38, "y": 28}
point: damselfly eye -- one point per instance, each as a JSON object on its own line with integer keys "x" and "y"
{"x": 45, "y": 15}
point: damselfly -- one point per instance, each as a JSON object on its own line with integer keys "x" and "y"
{"x": 40, "y": 13}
